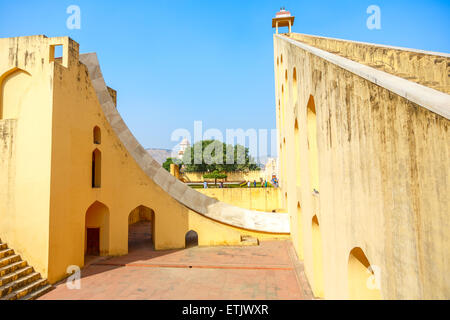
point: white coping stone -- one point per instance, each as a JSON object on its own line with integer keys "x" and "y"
{"x": 431, "y": 99}
{"x": 446, "y": 55}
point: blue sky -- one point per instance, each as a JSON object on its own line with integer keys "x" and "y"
{"x": 174, "y": 62}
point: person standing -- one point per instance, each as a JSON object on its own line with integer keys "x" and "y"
{"x": 254, "y": 183}
{"x": 248, "y": 184}
{"x": 205, "y": 185}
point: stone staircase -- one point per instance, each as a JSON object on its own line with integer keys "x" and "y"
{"x": 249, "y": 241}
{"x": 18, "y": 281}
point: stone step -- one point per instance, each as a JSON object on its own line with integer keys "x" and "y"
{"x": 3, "y": 246}
{"x": 38, "y": 293}
{"x": 15, "y": 275}
{"x": 249, "y": 241}
{"x": 29, "y": 289}
{"x": 12, "y": 267}
{"x": 9, "y": 260}
{"x": 6, "y": 252}
{"x": 19, "y": 283}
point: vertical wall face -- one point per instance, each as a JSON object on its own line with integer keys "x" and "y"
{"x": 25, "y": 145}
{"x": 382, "y": 178}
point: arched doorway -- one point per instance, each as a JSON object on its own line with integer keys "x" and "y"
{"x": 313, "y": 153}
{"x": 299, "y": 231}
{"x": 97, "y": 230}
{"x": 14, "y": 86}
{"x": 141, "y": 228}
{"x": 363, "y": 283}
{"x": 318, "y": 287}
{"x": 97, "y": 135}
{"x": 191, "y": 239}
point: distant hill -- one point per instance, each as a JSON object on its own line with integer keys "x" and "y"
{"x": 160, "y": 155}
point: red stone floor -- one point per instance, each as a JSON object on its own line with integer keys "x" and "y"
{"x": 268, "y": 271}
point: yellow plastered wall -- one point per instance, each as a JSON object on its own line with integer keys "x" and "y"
{"x": 382, "y": 169}
{"x": 362, "y": 282}
{"x": 25, "y": 147}
{"x": 123, "y": 188}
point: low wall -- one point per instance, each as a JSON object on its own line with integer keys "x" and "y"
{"x": 232, "y": 176}
{"x": 425, "y": 68}
{"x": 258, "y": 199}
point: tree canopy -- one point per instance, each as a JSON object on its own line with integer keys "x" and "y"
{"x": 215, "y": 175}
{"x": 213, "y": 155}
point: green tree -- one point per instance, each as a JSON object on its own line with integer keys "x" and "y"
{"x": 167, "y": 163}
{"x": 213, "y": 155}
{"x": 215, "y": 175}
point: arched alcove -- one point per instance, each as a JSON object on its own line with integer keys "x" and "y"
{"x": 96, "y": 169}
{"x": 362, "y": 282}
{"x": 191, "y": 239}
{"x": 318, "y": 287}
{"x": 97, "y": 230}
{"x": 313, "y": 153}
{"x": 141, "y": 228}
{"x": 97, "y": 135}
{"x": 14, "y": 87}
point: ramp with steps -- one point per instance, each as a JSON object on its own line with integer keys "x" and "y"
{"x": 18, "y": 280}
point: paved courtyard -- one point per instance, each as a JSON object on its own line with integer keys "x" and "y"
{"x": 268, "y": 271}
